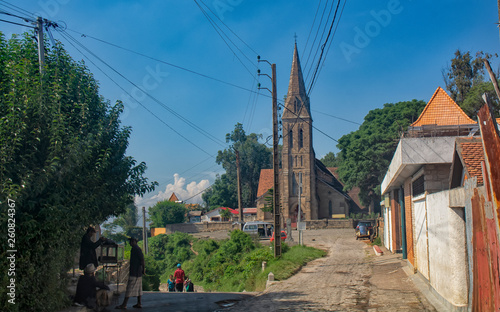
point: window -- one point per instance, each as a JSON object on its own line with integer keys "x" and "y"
{"x": 290, "y": 139}
{"x": 418, "y": 186}
{"x": 294, "y": 184}
{"x": 330, "y": 209}
{"x": 301, "y": 139}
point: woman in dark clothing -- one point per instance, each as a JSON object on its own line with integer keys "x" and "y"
{"x": 87, "y": 249}
{"x": 86, "y": 289}
{"x": 134, "y": 285}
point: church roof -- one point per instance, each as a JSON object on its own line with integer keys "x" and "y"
{"x": 266, "y": 181}
{"x": 296, "y": 91}
{"x": 441, "y": 110}
{"x": 353, "y": 193}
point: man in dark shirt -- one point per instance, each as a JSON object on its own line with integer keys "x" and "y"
{"x": 87, "y": 249}
{"x": 86, "y": 289}
{"x": 134, "y": 285}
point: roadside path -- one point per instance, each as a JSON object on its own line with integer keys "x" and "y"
{"x": 349, "y": 278}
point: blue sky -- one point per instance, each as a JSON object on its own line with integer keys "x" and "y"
{"x": 382, "y": 52}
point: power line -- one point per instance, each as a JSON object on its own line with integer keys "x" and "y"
{"x": 164, "y": 62}
{"x": 229, "y": 28}
{"x": 63, "y": 33}
{"x": 19, "y": 24}
{"x": 185, "y": 120}
{"x": 17, "y": 9}
{"x": 316, "y": 36}
{"x": 331, "y": 41}
{"x": 312, "y": 26}
{"x": 323, "y": 48}
{"x": 346, "y": 120}
{"x": 217, "y": 28}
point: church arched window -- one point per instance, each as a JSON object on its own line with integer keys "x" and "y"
{"x": 290, "y": 138}
{"x": 301, "y": 138}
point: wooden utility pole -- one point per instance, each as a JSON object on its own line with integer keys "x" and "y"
{"x": 41, "y": 47}
{"x": 238, "y": 178}
{"x": 276, "y": 206}
{"x": 492, "y": 77}
{"x": 144, "y": 234}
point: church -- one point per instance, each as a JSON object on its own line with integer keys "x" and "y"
{"x": 322, "y": 194}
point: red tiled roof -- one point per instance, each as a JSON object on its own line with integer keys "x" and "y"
{"x": 442, "y": 111}
{"x": 471, "y": 150}
{"x": 173, "y": 198}
{"x": 233, "y": 211}
{"x": 266, "y": 181}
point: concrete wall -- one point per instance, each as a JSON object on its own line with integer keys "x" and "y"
{"x": 447, "y": 249}
{"x": 420, "y": 237}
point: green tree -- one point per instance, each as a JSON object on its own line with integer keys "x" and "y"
{"x": 474, "y": 101}
{"x": 222, "y": 193}
{"x": 367, "y": 152}
{"x": 124, "y": 226}
{"x": 464, "y": 73}
{"x": 254, "y": 156}
{"x": 330, "y": 160}
{"x": 167, "y": 212}
{"x": 62, "y": 165}
{"x": 225, "y": 214}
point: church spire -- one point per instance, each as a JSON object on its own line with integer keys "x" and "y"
{"x": 296, "y": 89}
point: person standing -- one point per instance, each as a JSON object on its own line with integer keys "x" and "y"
{"x": 87, "y": 249}
{"x": 171, "y": 283}
{"x": 179, "y": 278}
{"x": 134, "y": 285}
{"x": 86, "y": 289}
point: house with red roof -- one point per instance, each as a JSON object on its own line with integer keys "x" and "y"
{"x": 424, "y": 206}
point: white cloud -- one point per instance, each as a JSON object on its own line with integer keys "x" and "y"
{"x": 189, "y": 193}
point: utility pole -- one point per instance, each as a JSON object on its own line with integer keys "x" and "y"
{"x": 238, "y": 173}
{"x": 277, "y": 213}
{"x": 144, "y": 234}
{"x": 492, "y": 77}
{"x": 276, "y": 193}
{"x": 41, "y": 47}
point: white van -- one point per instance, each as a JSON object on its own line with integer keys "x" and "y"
{"x": 259, "y": 228}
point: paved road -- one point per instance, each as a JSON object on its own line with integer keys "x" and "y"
{"x": 349, "y": 278}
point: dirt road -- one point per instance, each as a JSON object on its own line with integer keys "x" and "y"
{"x": 349, "y": 278}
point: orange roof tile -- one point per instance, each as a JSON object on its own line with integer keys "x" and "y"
{"x": 442, "y": 111}
{"x": 266, "y": 181}
{"x": 471, "y": 150}
{"x": 173, "y": 198}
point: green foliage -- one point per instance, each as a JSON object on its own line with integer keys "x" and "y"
{"x": 464, "y": 73}
{"x": 367, "y": 152}
{"x": 165, "y": 252}
{"x": 167, "y": 212}
{"x": 330, "y": 160}
{"x": 254, "y": 156}
{"x": 226, "y": 214}
{"x": 377, "y": 241}
{"x": 223, "y": 193}
{"x": 124, "y": 226}
{"x": 474, "y": 101}
{"x": 269, "y": 201}
{"x": 62, "y": 160}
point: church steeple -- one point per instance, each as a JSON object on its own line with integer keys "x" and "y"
{"x": 297, "y": 101}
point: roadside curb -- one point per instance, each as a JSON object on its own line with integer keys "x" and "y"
{"x": 377, "y": 250}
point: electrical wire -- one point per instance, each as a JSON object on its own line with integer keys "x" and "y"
{"x": 73, "y": 41}
{"x": 19, "y": 24}
{"x": 312, "y": 27}
{"x": 331, "y": 41}
{"x": 17, "y": 9}
{"x": 316, "y": 36}
{"x": 323, "y": 48}
{"x": 185, "y": 120}
{"x": 164, "y": 62}
{"x": 217, "y": 28}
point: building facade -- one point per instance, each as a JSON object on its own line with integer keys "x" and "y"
{"x": 304, "y": 180}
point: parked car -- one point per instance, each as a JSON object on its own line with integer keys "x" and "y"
{"x": 283, "y": 236}
{"x": 364, "y": 229}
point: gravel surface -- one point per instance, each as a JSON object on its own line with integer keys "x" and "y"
{"x": 349, "y": 278}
